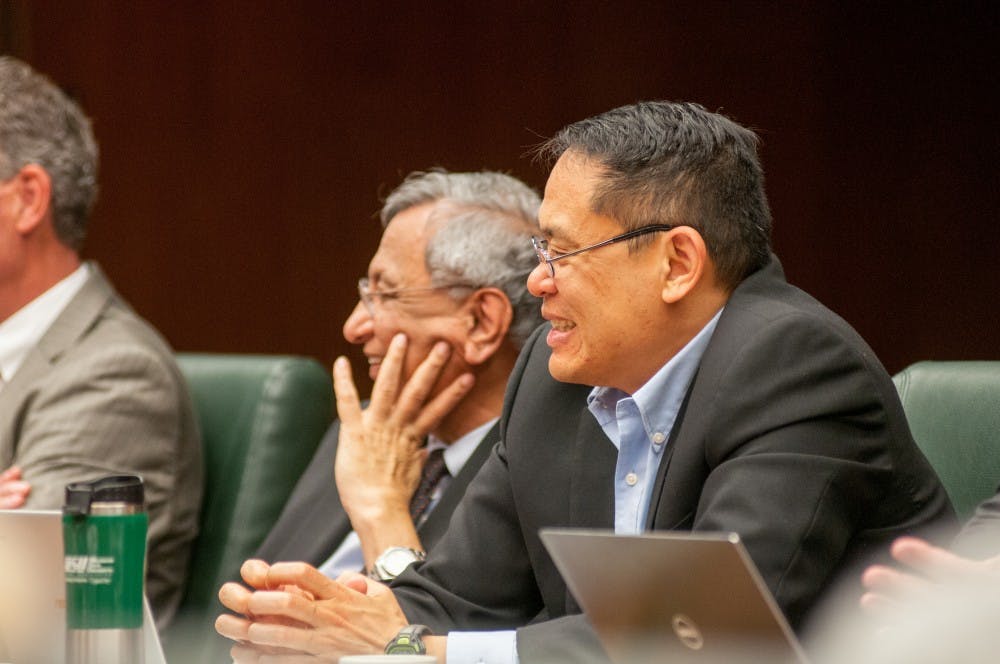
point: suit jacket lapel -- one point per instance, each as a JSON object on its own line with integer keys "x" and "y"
{"x": 75, "y": 320}
{"x": 660, "y": 504}
{"x": 685, "y": 452}
{"x": 592, "y": 492}
{"x": 78, "y": 316}
{"x": 430, "y": 531}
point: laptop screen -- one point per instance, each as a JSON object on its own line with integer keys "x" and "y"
{"x": 33, "y": 596}
{"x": 672, "y": 596}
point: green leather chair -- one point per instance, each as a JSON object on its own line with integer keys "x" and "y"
{"x": 953, "y": 409}
{"x": 261, "y": 419}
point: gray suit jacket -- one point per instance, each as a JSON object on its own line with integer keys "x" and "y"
{"x": 101, "y": 394}
{"x": 980, "y": 537}
{"x": 791, "y": 434}
{"x": 313, "y": 523}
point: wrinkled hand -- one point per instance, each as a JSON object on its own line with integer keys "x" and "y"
{"x": 296, "y": 610}
{"x": 13, "y": 490}
{"x": 932, "y": 566}
{"x": 380, "y": 451}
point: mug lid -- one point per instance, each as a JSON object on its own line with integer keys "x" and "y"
{"x": 108, "y": 489}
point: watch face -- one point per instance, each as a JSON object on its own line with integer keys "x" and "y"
{"x": 395, "y": 561}
{"x": 403, "y": 648}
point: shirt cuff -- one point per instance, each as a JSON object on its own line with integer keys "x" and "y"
{"x": 482, "y": 647}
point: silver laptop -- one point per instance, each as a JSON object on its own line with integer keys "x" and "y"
{"x": 33, "y": 595}
{"x": 673, "y": 597}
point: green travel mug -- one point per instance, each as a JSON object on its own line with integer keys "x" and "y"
{"x": 104, "y": 536}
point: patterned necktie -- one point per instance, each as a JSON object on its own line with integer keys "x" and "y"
{"x": 433, "y": 471}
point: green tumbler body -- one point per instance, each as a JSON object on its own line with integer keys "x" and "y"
{"x": 105, "y": 547}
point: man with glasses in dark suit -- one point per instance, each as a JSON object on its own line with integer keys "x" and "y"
{"x": 725, "y": 400}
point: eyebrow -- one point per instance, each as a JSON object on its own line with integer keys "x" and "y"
{"x": 553, "y": 233}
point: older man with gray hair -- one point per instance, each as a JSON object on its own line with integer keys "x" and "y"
{"x": 445, "y": 293}
{"x": 87, "y": 388}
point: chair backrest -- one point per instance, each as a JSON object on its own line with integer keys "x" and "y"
{"x": 953, "y": 409}
{"x": 261, "y": 419}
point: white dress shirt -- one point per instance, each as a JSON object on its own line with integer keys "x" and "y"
{"x": 25, "y": 328}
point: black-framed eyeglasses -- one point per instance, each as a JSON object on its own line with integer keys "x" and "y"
{"x": 541, "y": 245}
{"x": 371, "y": 297}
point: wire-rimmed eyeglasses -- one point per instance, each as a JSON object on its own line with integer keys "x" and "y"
{"x": 371, "y": 297}
{"x": 541, "y": 245}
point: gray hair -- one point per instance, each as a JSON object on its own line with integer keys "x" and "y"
{"x": 484, "y": 221}
{"x": 40, "y": 125}
{"x": 679, "y": 164}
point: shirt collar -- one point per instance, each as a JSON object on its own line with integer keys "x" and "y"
{"x": 458, "y": 453}
{"x": 660, "y": 398}
{"x": 25, "y": 328}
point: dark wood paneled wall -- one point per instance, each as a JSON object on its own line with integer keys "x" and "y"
{"x": 245, "y": 144}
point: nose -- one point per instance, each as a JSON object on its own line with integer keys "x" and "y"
{"x": 540, "y": 281}
{"x": 359, "y": 326}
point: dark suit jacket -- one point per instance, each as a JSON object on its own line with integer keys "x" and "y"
{"x": 791, "y": 435}
{"x": 313, "y": 523}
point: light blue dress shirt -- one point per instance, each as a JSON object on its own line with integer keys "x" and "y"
{"x": 639, "y": 426}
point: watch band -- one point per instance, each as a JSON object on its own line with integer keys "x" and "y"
{"x": 393, "y": 561}
{"x": 409, "y": 641}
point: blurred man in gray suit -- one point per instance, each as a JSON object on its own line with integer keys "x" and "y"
{"x": 87, "y": 388}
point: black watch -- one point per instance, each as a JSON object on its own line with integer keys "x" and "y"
{"x": 409, "y": 641}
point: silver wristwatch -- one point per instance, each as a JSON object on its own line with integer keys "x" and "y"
{"x": 393, "y": 561}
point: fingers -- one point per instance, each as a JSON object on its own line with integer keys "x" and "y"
{"x": 287, "y": 606}
{"x": 413, "y": 406}
{"x": 12, "y": 473}
{"x": 889, "y": 581}
{"x": 387, "y": 382}
{"x": 248, "y": 654}
{"x": 933, "y": 561}
{"x": 235, "y": 597}
{"x": 420, "y": 384}
{"x": 355, "y": 581}
{"x": 13, "y": 494}
{"x": 232, "y": 627}
{"x": 346, "y": 392}
{"x": 306, "y": 577}
{"x": 442, "y": 404}
{"x": 285, "y": 637}
{"x": 254, "y": 572}
{"x": 875, "y": 604}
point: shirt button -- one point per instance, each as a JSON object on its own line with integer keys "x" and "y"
{"x": 658, "y": 438}
{"x": 631, "y": 479}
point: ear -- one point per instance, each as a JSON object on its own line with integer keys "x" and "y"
{"x": 685, "y": 261}
{"x": 33, "y": 191}
{"x": 489, "y": 315}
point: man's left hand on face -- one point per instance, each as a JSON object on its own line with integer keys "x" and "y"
{"x": 380, "y": 453}
{"x": 13, "y": 490}
{"x": 296, "y": 608}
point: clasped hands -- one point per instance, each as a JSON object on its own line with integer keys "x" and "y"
{"x": 291, "y": 611}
